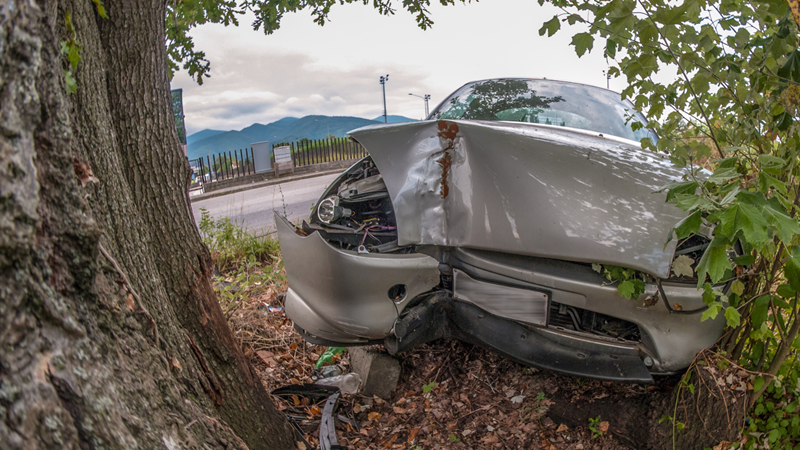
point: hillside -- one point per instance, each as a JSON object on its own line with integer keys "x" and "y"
{"x": 288, "y": 129}
{"x": 200, "y": 135}
{"x": 394, "y": 119}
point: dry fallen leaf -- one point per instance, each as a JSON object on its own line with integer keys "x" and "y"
{"x": 490, "y": 439}
{"x": 296, "y": 400}
{"x": 374, "y": 416}
{"x": 398, "y": 410}
{"x": 603, "y": 426}
{"x": 267, "y": 357}
{"x": 412, "y": 435}
{"x": 130, "y": 302}
{"x": 315, "y": 410}
{"x": 561, "y": 428}
{"x": 175, "y": 364}
{"x": 83, "y": 172}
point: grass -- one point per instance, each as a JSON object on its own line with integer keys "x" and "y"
{"x": 247, "y": 265}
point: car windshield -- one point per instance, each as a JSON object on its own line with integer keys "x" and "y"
{"x": 545, "y": 102}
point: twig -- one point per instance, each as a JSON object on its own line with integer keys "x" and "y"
{"x": 130, "y": 290}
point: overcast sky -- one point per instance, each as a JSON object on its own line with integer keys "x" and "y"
{"x": 305, "y": 69}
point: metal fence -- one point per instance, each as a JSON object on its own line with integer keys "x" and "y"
{"x": 308, "y": 152}
{"x": 239, "y": 163}
{"x": 224, "y": 166}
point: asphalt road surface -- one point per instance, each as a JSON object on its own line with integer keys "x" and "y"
{"x": 253, "y": 208}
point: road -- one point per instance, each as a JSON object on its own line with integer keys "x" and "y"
{"x": 253, "y": 208}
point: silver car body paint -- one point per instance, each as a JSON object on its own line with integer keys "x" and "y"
{"x": 528, "y": 189}
{"x": 342, "y": 295}
{"x": 673, "y": 339}
{"x": 524, "y": 305}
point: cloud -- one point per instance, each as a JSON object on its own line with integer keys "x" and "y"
{"x": 253, "y": 86}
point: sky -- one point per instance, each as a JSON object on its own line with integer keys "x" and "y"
{"x": 334, "y": 70}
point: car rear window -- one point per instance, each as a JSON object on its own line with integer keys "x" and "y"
{"x": 546, "y": 102}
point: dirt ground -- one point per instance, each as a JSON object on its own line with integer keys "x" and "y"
{"x": 450, "y": 394}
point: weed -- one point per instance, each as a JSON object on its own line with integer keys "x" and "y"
{"x": 453, "y": 438}
{"x": 594, "y": 426}
{"x": 428, "y": 387}
{"x": 246, "y": 263}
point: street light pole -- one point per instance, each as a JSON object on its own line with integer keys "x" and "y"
{"x": 383, "y": 85}
{"x": 426, "y": 98}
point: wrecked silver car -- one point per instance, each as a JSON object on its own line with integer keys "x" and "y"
{"x": 488, "y": 222}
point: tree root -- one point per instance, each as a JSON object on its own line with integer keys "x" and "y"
{"x": 127, "y": 285}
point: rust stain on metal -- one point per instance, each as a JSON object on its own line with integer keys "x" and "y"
{"x": 445, "y": 162}
{"x": 448, "y": 131}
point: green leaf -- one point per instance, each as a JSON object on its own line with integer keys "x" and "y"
{"x": 722, "y": 176}
{"x": 760, "y": 311}
{"x": 711, "y": 313}
{"x": 791, "y": 68}
{"x": 732, "y": 316}
{"x": 101, "y": 10}
{"x": 766, "y": 181}
{"x": 747, "y": 219}
{"x": 611, "y": 48}
{"x": 714, "y": 262}
{"x": 689, "y": 225}
{"x": 550, "y": 27}
{"x": 792, "y": 269}
{"x": 744, "y": 260}
{"x": 785, "y": 291}
{"x": 784, "y": 121}
{"x": 69, "y": 79}
{"x": 737, "y": 287}
{"x": 583, "y": 42}
{"x": 626, "y": 289}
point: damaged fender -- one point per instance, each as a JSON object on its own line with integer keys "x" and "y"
{"x": 337, "y": 292}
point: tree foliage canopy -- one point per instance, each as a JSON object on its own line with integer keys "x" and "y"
{"x": 732, "y": 108}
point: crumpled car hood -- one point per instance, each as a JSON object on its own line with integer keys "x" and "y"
{"x": 527, "y": 189}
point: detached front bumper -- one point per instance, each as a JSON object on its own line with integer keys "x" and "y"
{"x": 343, "y": 296}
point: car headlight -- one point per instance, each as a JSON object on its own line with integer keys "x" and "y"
{"x": 327, "y": 210}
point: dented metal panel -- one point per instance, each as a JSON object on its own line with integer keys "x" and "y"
{"x": 342, "y": 294}
{"x": 523, "y": 305}
{"x": 527, "y": 189}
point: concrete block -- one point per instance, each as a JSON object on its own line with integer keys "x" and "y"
{"x": 379, "y": 372}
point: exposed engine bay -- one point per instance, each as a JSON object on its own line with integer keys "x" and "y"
{"x": 357, "y": 213}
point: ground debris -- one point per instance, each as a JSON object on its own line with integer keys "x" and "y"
{"x": 450, "y": 395}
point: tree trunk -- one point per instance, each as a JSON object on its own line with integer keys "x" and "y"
{"x": 82, "y": 365}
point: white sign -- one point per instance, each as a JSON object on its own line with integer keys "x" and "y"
{"x": 283, "y": 154}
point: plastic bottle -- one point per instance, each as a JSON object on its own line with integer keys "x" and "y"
{"x": 327, "y": 372}
{"x": 347, "y": 383}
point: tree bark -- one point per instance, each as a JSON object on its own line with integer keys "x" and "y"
{"x": 81, "y": 365}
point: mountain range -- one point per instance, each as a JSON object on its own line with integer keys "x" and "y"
{"x": 288, "y": 129}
